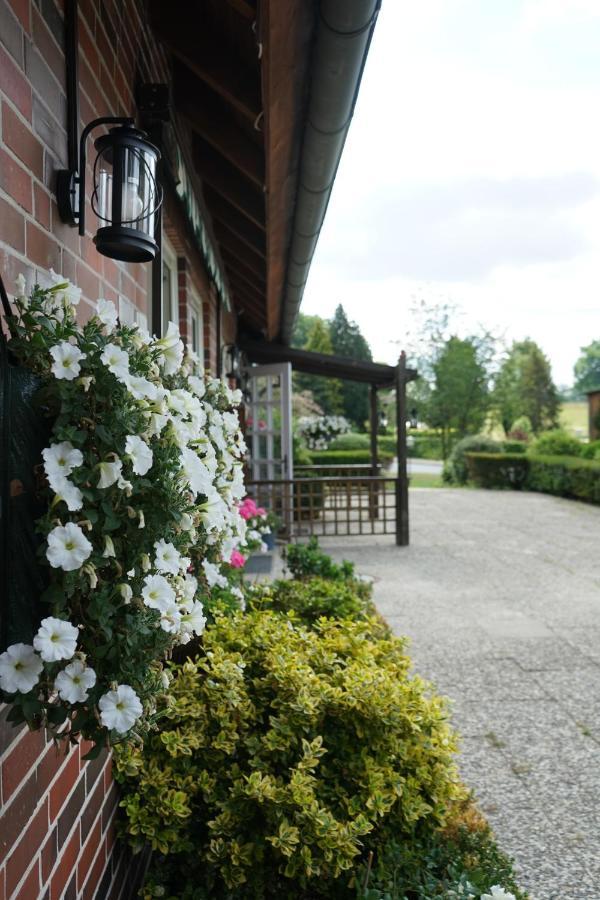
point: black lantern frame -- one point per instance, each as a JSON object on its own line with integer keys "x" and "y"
{"x": 126, "y": 195}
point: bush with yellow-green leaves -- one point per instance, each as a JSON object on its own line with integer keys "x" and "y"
{"x": 286, "y": 755}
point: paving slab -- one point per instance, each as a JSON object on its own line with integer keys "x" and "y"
{"x": 499, "y": 593}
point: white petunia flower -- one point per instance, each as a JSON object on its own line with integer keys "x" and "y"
{"x": 66, "y": 360}
{"x": 68, "y": 547}
{"x": 213, "y": 574}
{"x": 20, "y": 668}
{"x": 157, "y": 593}
{"x": 498, "y": 893}
{"x": 109, "y": 473}
{"x": 170, "y": 618}
{"x": 196, "y": 472}
{"x": 140, "y": 388}
{"x": 186, "y": 523}
{"x": 172, "y": 349}
{"x": 167, "y": 558}
{"x": 194, "y": 621}
{"x": 65, "y": 292}
{"x": 189, "y": 588}
{"x": 70, "y": 493}
{"x": 157, "y": 423}
{"x": 75, "y": 681}
{"x": 56, "y": 639}
{"x": 120, "y": 709}
{"x": 139, "y": 453}
{"x": 20, "y": 286}
{"x": 59, "y": 461}
{"x": 197, "y": 386}
{"x": 109, "y": 547}
{"x": 107, "y": 313}
{"x": 116, "y": 361}
{"x": 125, "y": 592}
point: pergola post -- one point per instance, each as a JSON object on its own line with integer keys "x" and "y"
{"x": 402, "y": 533}
{"x": 374, "y": 426}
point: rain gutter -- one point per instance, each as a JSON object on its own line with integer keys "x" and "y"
{"x": 343, "y": 35}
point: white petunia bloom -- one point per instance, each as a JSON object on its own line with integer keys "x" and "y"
{"x": 139, "y": 453}
{"x": 109, "y": 547}
{"x": 498, "y": 893}
{"x": 67, "y": 292}
{"x": 157, "y": 423}
{"x": 70, "y": 493}
{"x": 56, "y": 639}
{"x": 20, "y": 668}
{"x": 157, "y": 593}
{"x": 170, "y": 618}
{"x": 120, "y": 709}
{"x": 140, "y": 388}
{"x": 213, "y": 574}
{"x": 107, "y": 313}
{"x": 189, "y": 588}
{"x": 116, "y": 361}
{"x": 68, "y": 547}
{"x": 75, "y": 681}
{"x": 59, "y": 461}
{"x": 20, "y": 286}
{"x": 172, "y": 349}
{"x": 167, "y": 558}
{"x": 125, "y": 592}
{"x": 66, "y": 360}
{"x": 197, "y": 386}
{"x": 109, "y": 473}
{"x": 193, "y": 620}
{"x": 196, "y": 472}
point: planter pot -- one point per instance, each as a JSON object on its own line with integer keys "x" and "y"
{"x": 269, "y": 540}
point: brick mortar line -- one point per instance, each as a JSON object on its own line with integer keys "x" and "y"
{"x": 37, "y": 859}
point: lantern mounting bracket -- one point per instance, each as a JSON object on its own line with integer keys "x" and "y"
{"x": 70, "y": 183}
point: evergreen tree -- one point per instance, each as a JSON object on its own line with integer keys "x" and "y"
{"x": 327, "y": 392}
{"x": 524, "y": 387}
{"x": 347, "y": 340}
{"x": 587, "y": 369}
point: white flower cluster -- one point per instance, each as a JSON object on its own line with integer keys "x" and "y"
{"x": 194, "y": 419}
{"x": 318, "y": 432}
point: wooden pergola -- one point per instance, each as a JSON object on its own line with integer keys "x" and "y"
{"x": 377, "y": 376}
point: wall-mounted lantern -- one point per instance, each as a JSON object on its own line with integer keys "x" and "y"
{"x": 232, "y": 362}
{"x": 125, "y": 195}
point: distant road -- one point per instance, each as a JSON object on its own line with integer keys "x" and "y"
{"x": 420, "y": 467}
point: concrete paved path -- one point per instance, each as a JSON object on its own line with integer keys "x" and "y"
{"x": 500, "y": 594}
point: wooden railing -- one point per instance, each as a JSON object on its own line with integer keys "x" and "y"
{"x": 332, "y": 505}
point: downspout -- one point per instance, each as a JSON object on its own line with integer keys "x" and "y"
{"x": 343, "y": 36}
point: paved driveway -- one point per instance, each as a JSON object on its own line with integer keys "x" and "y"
{"x": 500, "y": 594}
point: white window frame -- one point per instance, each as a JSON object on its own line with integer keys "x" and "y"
{"x": 129, "y": 314}
{"x": 169, "y": 259}
{"x": 196, "y": 313}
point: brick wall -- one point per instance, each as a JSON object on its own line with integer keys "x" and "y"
{"x": 56, "y": 811}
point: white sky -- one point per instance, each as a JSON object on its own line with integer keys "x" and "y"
{"x": 471, "y": 174}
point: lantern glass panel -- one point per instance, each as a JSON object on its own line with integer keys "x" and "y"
{"x": 104, "y": 189}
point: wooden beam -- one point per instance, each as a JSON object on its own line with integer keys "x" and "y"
{"x": 231, "y": 248}
{"x": 244, "y": 8}
{"x": 240, "y": 288}
{"x": 222, "y": 211}
{"x": 226, "y": 181}
{"x": 255, "y": 274}
{"x": 255, "y": 307}
{"x": 213, "y": 121}
{"x": 187, "y": 31}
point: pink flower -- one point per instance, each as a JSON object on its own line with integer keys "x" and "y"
{"x": 237, "y": 560}
{"x": 248, "y": 508}
{"x": 261, "y": 511}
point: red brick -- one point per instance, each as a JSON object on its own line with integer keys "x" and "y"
{"x": 21, "y": 10}
{"x": 14, "y": 84}
{"x": 42, "y": 249}
{"x": 88, "y": 854}
{"x": 88, "y": 49}
{"x": 41, "y": 203}
{"x": 15, "y": 180}
{"x": 50, "y": 764}
{"x": 65, "y": 234}
{"x": 13, "y": 230}
{"x": 16, "y": 817}
{"x": 21, "y": 761}
{"x": 48, "y": 47}
{"x": 65, "y": 867}
{"x": 63, "y": 785}
{"x": 22, "y": 142}
{"x": 28, "y": 846}
{"x": 88, "y": 281}
{"x": 49, "y": 855}
{"x": 94, "y": 877}
{"x": 31, "y": 886}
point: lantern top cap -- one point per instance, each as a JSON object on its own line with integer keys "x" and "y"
{"x": 129, "y": 135}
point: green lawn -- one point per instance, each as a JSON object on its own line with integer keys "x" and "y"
{"x": 574, "y": 418}
{"x": 426, "y": 480}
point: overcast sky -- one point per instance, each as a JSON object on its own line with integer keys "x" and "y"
{"x": 471, "y": 174}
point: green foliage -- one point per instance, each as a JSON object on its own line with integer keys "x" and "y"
{"x": 353, "y": 440}
{"x": 456, "y": 470}
{"x": 591, "y": 450}
{"x": 522, "y": 426}
{"x": 309, "y": 600}
{"x": 514, "y": 446}
{"x": 425, "y": 446}
{"x": 327, "y": 392}
{"x": 285, "y": 756}
{"x": 459, "y": 398}
{"x": 347, "y": 340}
{"x": 524, "y": 387}
{"x": 308, "y": 560}
{"x": 557, "y": 443}
{"x": 587, "y": 369}
{"x": 498, "y": 470}
{"x": 347, "y": 457}
{"x": 565, "y": 476}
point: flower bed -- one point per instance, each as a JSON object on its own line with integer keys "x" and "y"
{"x": 143, "y": 481}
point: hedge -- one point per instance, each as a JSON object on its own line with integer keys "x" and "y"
{"x": 563, "y": 476}
{"x": 346, "y": 457}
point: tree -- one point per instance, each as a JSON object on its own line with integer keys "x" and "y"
{"x": 302, "y": 329}
{"x": 587, "y": 369}
{"x": 347, "y": 340}
{"x": 524, "y": 387}
{"x": 327, "y": 392}
{"x": 460, "y": 397}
